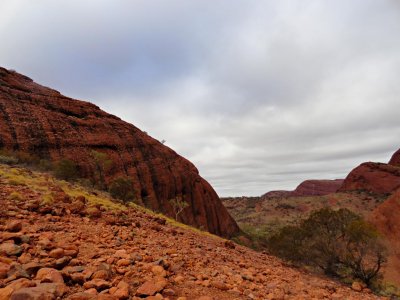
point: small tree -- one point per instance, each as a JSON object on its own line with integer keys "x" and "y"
{"x": 102, "y": 165}
{"x": 66, "y": 169}
{"x": 365, "y": 252}
{"x": 121, "y": 188}
{"x": 333, "y": 241}
{"x": 178, "y": 204}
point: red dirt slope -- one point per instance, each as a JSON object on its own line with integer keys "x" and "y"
{"x": 70, "y": 249}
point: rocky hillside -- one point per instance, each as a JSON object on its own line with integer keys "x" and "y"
{"x": 41, "y": 121}
{"x": 386, "y": 219}
{"x": 60, "y": 241}
{"x": 309, "y": 188}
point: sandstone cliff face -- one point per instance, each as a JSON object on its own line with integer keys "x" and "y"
{"x": 40, "y": 120}
{"x": 376, "y": 178}
{"x": 395, "y": 160}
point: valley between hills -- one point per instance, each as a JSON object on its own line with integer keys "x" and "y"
{"x": 64, "y": 236}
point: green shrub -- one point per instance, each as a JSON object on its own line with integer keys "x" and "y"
{"x": 178, "y": 205}
{"x": 102, "y": 165}
{"x": 339, "y": 242}
{"x": 121, "y": 188}
{"x": 66, "y": 169}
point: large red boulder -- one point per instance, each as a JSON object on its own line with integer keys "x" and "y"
{"x": 41, "y": 121}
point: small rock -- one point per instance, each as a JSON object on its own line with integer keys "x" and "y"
{"x": 45, "y": 291}
{"x": 32, "y": 267}
{"x": 25, "y": 258}
{"x": 121, "y": 254}
{"x": 10, "y": 249}
{"x": 57, "y": 253}
{"x": 82, "y": 296}
{"x": 356, "y": 286}
{"x": 169, "y": 292}
{"x": 122, "y": 291}
{"x": 4, "y": 268}
{"x": 49, "y": 275}
{"x": 62, "y": 262}
{"x": 101, "y": 274}
{"x": 14, "y": 226}
{"x": 151, "y": 287}
{"x": 98, "y": 284}
{"x": 220, "y": 285}
{"x": 16, "y": 271}
{"x": 123, "y": 262}
{"x": 159, "y": 271}
{"x": 179, "y": 279}
{"x": 21, "y": 283}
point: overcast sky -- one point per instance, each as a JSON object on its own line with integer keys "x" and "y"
{"x": 259, "y": 95}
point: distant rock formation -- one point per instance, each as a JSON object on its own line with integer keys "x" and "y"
{"x": 276, "y": 194}
{"x": 41, "y": 121}
{"x": 395, "y": 160}
{"x": 317, "y": 187}
{"x": 376, "y": 178}
{"x": 310, "y": 187}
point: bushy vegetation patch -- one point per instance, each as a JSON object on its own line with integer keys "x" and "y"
{"x": 338, "y": 242}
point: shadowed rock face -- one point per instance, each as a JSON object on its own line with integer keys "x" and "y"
{"x": 377, "y": 178}
{"x": 395, "y": 160}
{"x": 308, "y": 188}
{"x": 41, "y": 121}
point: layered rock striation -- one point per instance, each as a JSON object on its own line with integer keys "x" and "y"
{"x": 40, "y": 121}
